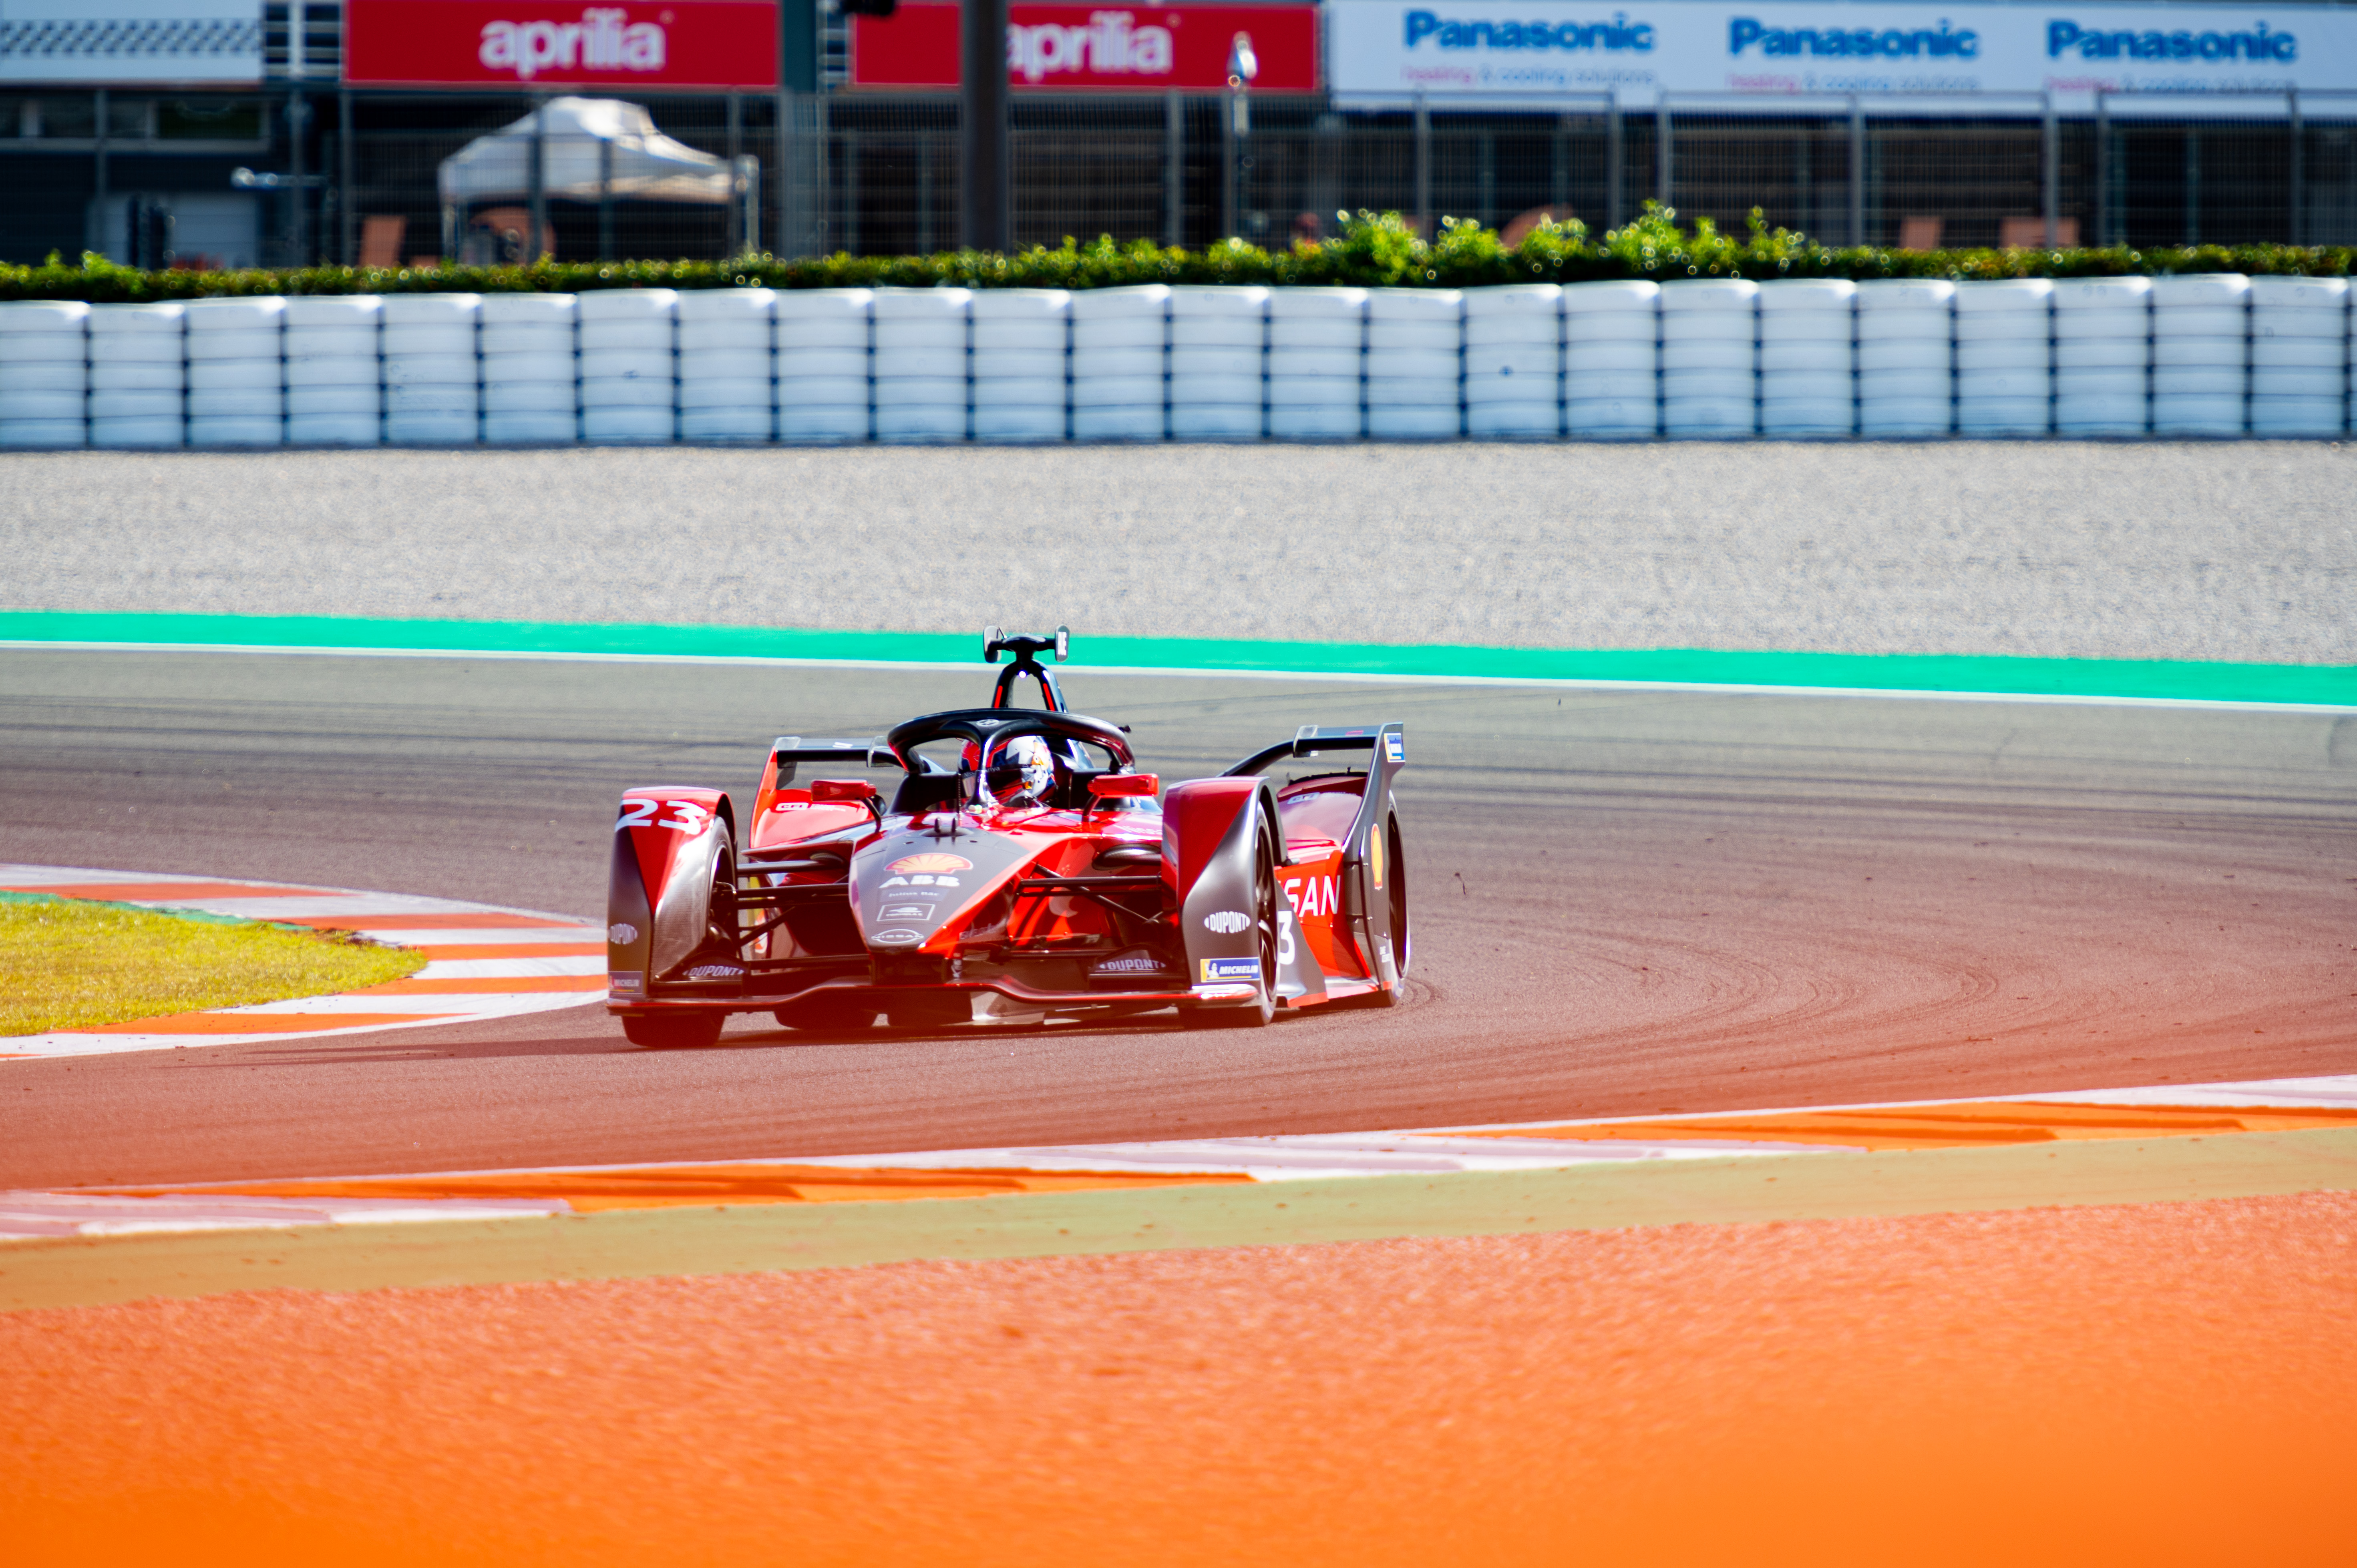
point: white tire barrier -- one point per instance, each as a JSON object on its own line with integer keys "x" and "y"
{"x": 2200, "y": 355}
{"x": 1514, "y": 361}
{"x": 1415, "y": 363}
{"x": 727, "y": 364}
{"x": 1316, "y": 363}
{"x": 2299, "y": 356}
{"x": 1611, "y": 354}
{"x": 237, "y": 371}
{"x": 2004, "y": 358}
{"x": 2103, "y": 343}
{"x": 335, "y": 370}
{"x": 1710, "y": 357}
{"x": 1121, "y": 364}
{"x": 138, "y": 375}
{"x": 1906, "y": 356}
{"x": 2210, "y": 355}
{"x": 823, "y": 364}
{"x": 630, "y": 378}
{"x": 44, "y": 373}
{"x": 920, "y": 389}
{"x": 1808, "y": 358}
{"x": 1022, "y": 363}
{"x": 1218, "y": 353}
{"x": 432, "y": 393}
{"x": 530, "y": 377}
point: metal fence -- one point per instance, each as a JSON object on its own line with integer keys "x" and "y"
{"x": 2167, "y": 173}
{"x": 382, "y": 154}
{"x": 349, "y": 176}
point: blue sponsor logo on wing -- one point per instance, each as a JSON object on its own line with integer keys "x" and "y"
{"x": 1618, "y": 35}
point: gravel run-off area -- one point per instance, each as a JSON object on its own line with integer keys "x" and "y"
{"x": 2212, "y": 551}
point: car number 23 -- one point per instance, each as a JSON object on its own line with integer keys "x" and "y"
{"x": 686, "y": 816}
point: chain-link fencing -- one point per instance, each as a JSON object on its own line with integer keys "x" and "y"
{"x": 351, "y": 175}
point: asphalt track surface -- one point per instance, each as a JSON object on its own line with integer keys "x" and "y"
{"x": 2130, "y": 549}
{"x": 1625, "y": 903}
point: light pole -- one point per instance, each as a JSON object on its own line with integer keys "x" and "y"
{"x": 987, "y": 171}
{"x": 1242, "y": 67}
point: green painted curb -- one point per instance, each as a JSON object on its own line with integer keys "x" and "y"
{"x": 765, "y": 1237}
{"x": 2097, "y": 680}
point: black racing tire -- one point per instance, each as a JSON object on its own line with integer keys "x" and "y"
{"x": 827, "y": 1014}
{"x": 1257, "y": 1013}
{"x": 674, "y": 1032}
{"x": 1403, "y": 947}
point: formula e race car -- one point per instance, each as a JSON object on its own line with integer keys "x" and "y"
{"x": 1020, "y": 872}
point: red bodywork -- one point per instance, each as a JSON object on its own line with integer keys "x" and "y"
{"x": 988, "y": 875}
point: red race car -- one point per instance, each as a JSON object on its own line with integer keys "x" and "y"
{"x": 1021, "y": 871}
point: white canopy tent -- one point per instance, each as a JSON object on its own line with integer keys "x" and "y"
{"x": 590, "y": 147}
{"x": 586, "y": 149}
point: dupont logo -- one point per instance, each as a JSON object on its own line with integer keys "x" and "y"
{"x": 1111, "y": 44}
{"x": 603, "y": 39}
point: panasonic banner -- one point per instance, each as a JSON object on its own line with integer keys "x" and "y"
{"x": 1384, "y": 53}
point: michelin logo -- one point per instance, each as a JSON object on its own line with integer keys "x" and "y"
{"x": 1619, "y": 35}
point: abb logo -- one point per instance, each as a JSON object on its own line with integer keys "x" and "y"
{"x": 548, "y": 43}
{"x": 601, "y": 41}
{"x": 1110, "y": 44}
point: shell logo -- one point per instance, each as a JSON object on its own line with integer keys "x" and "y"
{"x": 907, "y": 864}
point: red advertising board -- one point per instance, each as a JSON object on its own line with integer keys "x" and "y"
{"x": 534, "y": 43}
{"x": 1064, "y": 49}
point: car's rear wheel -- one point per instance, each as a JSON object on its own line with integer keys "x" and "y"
{"x": 674, "y": 1032}
{"x": 1258, "y": 1012}
{"x": 1396, "y": 894}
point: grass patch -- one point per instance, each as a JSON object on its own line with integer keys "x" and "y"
{"x": 71, "y": 964}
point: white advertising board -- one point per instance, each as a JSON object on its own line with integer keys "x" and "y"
{"x": 101, "y": 41}
{"x": 1385, "y": 52}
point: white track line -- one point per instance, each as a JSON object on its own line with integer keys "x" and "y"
{"x": 1359, "y": 678}
{"x": 446, "y": 991}
{"x": 1285, "y": 1157}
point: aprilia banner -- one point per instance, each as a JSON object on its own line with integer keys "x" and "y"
{"x": 1387, "y": 52}
{"x": 512, "y": 43}
{"x": 1064, "y": 49}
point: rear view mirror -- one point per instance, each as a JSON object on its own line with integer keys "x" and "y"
{"x": 1122, "y": 786}
{"x": 841, "y": 791}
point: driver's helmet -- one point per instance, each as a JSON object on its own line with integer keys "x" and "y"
{"x": 1033, "y": 764}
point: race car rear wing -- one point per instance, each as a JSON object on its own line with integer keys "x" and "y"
{"x": 1311, "y": 740}
{"x": 791, "y": 749}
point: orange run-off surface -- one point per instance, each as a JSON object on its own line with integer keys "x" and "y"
{"x": 2158, "y": 1384}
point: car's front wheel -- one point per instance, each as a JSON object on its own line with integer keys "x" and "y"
{"x": 1259, "y": 1011}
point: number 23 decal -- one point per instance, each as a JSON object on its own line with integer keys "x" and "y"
{"x": 687, "y": 816}
{"x": 1284, "y": 936}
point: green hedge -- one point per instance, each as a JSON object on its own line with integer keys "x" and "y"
{"x": 1374, "y": 250}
